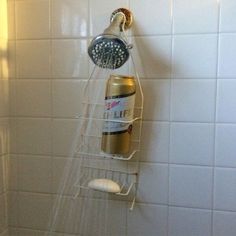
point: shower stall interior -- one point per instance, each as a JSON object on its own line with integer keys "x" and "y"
{"x": 66, "y": 66}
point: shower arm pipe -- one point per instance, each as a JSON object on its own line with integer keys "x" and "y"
{"x": 121, "y": 19}
{"x": 117, "y": 24}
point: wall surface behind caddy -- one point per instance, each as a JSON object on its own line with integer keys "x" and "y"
{"x": 185, "y": 54}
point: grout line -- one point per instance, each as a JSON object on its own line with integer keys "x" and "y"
{"x": 141, "y": 78}
{"x": 215, "y": 121}
{"x": 79, "y": 79}
{"x": 15, "y": 110}
{"x": 130, "y": 36}
{"x": 141, "y": 203}
{"x": 72, "y": 38}
{"x": 144, "y": 120}
{"x": 19, "y": 155}
{"x": 51, "y": 111}
{"x": 41, "y": 231}
{"x": 4, "y": 117}
{"x": 183, "y": 34}
{"x": 141, "y": 162}
{"x": 170, "y": 115}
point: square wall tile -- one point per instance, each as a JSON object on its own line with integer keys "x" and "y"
{"x": 1, "y": 66}
{"x": 12, "y": 135}
{"x": 24, "y": 232}
{"x": 65, "y": 174}
{"x": 60, "y": 234}
{"x": 190, "y": 186}
{"x": 155, "y": 142}
{"x": 2, "y": 175}
{"x": 11, "y": 53}
{"x": 4, "y": 70}
{"x": 227, "y": 50}
{"x": 4, "y": 98}
{"x": 100, "y": 13}
{"x": 194, "y": 56}
{"x": 151, "y": 17}
{"x": 187, "y": 221}
{"x": 34, "y": 210}
{"x": 157, "y": 103}
{"x": 148, "y": 220}
{"x": 3, "y": 212}
{"x": 193, "y": 100}
{"x": 12, "y": 167}
{"x": 33, "y": 98}
{"x": 34, "y": 136}
{"x": 69, "y": 213}
{"x": 115, "y": 217}
{"x": 195, "y": 16}
{"x": 33, "y": 59}
{"x": 32, "y": 19}
{"x": 152, "y": 56}
{"x": 64, "y": 134}
{"x": 226, "y": 101}
{"x": 11, "y": 19}
{"x": 67, "y": 98}
{"x": 4, "y": 136}
{"x": 34, "y": 174}
{"x": 111, "y": 215}
{"x": 69, "y": 18}
{"x": 13, "y": 209}
{"x": 12, "y": 97}
{"x": 224, "y": 223}
{"x": 153, "y": 183}
{"x": 225, "y": 145}
{"x": 192, "y": 143}
{"x": 13, "y": 231}
{"x": 69, "y": 58}
{"x": 225, "y": 189}
{"x": 4, "y": 160}
{"x": 117, "y": 220}
{"x": 5, "y": 233}
{"x": 227, "y": 15}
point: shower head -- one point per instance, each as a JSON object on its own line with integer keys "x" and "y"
{"x": 109, "y": 50}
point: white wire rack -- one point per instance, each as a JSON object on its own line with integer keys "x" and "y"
{"x": 92, "y": 140}
{"x": 126, "y": 180}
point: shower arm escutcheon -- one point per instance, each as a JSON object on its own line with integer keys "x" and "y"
{"x": 121, "y": 19}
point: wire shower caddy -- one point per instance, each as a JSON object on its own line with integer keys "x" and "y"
{"x": 122, "y": 169}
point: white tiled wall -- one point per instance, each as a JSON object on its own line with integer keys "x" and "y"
{"x": 185, "y": 54}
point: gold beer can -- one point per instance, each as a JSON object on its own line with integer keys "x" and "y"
{"x": 118, "y": 114}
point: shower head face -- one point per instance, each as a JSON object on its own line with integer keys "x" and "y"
{"x": 108, "y": 51}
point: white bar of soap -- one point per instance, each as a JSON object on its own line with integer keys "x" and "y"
{"x": 104, "y": 185}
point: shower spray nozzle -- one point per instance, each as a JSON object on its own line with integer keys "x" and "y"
{"x": 109, "y": 50}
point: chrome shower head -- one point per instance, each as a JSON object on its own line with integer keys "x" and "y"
{"x": 109, "y": 50}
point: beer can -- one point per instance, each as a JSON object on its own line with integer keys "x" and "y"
{"x": 118, "y": 114}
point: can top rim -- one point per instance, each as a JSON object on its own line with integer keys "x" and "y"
{"x": 122, "y": 76}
